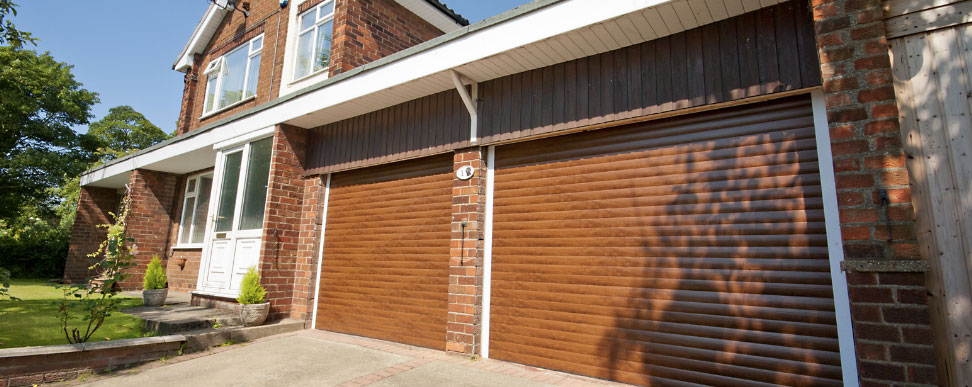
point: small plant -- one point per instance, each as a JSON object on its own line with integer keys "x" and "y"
{"x": 227, "y": 343}
{"x": 217, "y": 325}
{"x": 251, "y": 292}
{"x": 154, "y": 275}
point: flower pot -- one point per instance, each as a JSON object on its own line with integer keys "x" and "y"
{"x": 254, "y": 314}
{"x": 155, "y": 297}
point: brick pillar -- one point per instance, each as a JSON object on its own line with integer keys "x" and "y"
{"x": 466, "y": 255}
{"x": 94, "y": 204}
{"x": 190, "y": 81}
{"x": 150, "y": 219}
{"x": 886, "y": 284}
{"x": 282, "y": 219}
{"x": 311, "y": 220}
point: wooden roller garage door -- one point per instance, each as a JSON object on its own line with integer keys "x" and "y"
{"x": 385, "y": 269}
{"x": 689, "y": 250}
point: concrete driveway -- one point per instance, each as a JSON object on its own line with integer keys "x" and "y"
{"x": 315, "y": 358}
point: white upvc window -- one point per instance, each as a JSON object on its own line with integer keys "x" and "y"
{"x": 315, "y": 29}
{"x": 232, "y": 78}
{"x": 195, "y": 205}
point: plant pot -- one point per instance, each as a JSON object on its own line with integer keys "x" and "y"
{"x": 155, "y": 297}
{"x": 254, "y": 314}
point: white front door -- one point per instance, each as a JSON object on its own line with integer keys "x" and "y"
{"x": 239, "y": 198}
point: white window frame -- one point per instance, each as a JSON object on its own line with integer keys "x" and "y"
{"x": 315, "y": 29}
{"x": 182, "y": 219}
{"x": 214, "y": 71}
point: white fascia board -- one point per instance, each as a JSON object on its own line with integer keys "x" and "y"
{"x": 534, "y": 26}
{"x": 431, "y": 14}
{"x": 200, "y": 37}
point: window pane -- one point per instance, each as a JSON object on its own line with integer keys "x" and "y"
{"x": 323, "y": 45}
{"x": 227, "y": 192}
{"x": 186, "y": 215}
{"x": 307, "y": 20}
{"x": 210, "y": 93}
{"x": 251, "y": 82}
{"x": 202, "y": 207}
{"x": 191, "y": 187}
{"x": 255, "y": 192}
{"x": 305, "y": 47}
{"x": 256, "y": 44}
{"x": 326, "y": 9}
{"x": 234, "y": 69}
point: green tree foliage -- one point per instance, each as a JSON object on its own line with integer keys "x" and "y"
{"x": 154, "y": 275}
{"x": 33, "y": 245}
{"x": 124, "y": 131}
{"x": 9, "y": 34}
{"x": 39, "y": 103}
{"x": 251, "y": 292}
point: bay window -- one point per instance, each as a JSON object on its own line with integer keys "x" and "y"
{"x": 233, "y": 77}
{"x": 315, "y": 28}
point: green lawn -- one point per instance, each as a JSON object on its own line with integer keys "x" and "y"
{"x": 33, "y": 319}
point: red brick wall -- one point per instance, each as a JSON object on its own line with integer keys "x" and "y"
{"x": 367, "y": 30}
{"x": 94, "y": 204}
{"x": 232, "y": 32}
{"x": 889, "y": 310}
{"x": 305, "y": 275}
{"x": 464, "y": 322}
{"x": 282, "y": 219}
{"x": 150, "y": 219}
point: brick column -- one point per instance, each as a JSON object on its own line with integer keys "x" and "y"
{"x": 150, "y": 219}
{"x": 94, "y": 204}
{"x": 466, "y": 255}
{"x": 311, "y": 221}
{"x": 190, "y": 81}
{"x": 886, "y": 284}
{"x": 282, "y": 219}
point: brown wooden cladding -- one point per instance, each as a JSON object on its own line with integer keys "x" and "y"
{"x": 758, "y": 53}
{"x": 385, "y": 269}
{"x": 430, "y": 125}
{"x": 685, "y": 250}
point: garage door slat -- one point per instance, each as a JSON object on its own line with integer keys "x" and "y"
{"x": 691, "y": 249}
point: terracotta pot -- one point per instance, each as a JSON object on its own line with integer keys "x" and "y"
{"x": 254, "y": 314}
{"x": 155, "y": 297}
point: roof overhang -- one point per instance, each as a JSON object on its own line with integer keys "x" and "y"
{"x": 535, "y": 35}
{"x": 432, "y": 14}
{"x": 200, "y": 36}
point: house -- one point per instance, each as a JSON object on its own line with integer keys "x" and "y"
{"x": 649, "y": 191}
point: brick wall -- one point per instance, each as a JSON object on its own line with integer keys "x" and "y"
{"x": 889, "y": 309}
{"x": 305, "y": 275}
{"x": 182, "y": 265}
{"x": 367, "y": 30}
{"x": 265, "y": 16}
{"x": 282, "y": 219}
{"x": 150, "y": 219}
{"x": 464, "y": 322}
{"x": 94, "y": 204}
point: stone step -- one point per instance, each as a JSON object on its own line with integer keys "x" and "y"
{"x": 204, "y": 339}
{"x": 182, "y": 317}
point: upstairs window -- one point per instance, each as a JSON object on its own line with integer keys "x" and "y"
{"x": 316, "y": 27}
{"x": 233, "y": 77}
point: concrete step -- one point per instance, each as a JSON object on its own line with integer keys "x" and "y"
{"x": 182, "y": 317}
{"x": 203, "y": 339}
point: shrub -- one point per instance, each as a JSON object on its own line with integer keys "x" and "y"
{"x": 251, "y": 292}
{"x": 154, "y": 275}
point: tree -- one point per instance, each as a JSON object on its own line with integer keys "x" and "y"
{"x": 39, "y": 103}
{"x": 124, "y": 131}
{"x": 9, "y": 34}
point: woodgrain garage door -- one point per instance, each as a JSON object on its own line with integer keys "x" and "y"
{"x": 686, "y": 250}
{"x": 385, "y": 269}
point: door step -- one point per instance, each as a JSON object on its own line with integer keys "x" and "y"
{"x": 178, "y": 316}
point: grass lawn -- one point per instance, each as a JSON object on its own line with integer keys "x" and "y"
{"x": 33, "y": 320}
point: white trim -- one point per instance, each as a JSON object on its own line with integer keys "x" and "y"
{"x": 468, "y": 101}
{"x": 214, "y": 73}
{"x": 431, "y": 14}
{"x": 249, "y": 137}
{"x": 488, "y": 248}
{"x": 200, "y": 37}
{"x": 320, "y": 253}
{"x": 835, "y": 244}
{"x": 315, "y": 29}
{"x": 195, "y": 207}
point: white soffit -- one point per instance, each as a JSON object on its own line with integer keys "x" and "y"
{"x": 200, "y": 37}
{"x": 431, "y": 14}
{"x": 551, "y": 34}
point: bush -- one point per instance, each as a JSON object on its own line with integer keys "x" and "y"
{"x": 251, "y": 292}
{"x": 154, "y": 275}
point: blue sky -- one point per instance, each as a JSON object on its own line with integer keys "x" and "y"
{"x": 124, "y": 49}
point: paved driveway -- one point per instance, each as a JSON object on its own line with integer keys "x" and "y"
{"x": 315, "y": 358}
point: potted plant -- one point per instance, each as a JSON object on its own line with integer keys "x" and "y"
{"x": 253, "y": 311}
{"x": 154, "y": 287}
